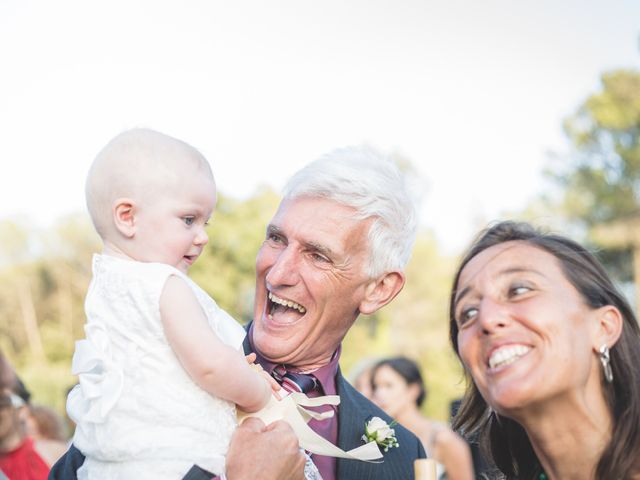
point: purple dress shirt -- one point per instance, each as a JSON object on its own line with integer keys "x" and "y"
{"x": 326, "y": 376}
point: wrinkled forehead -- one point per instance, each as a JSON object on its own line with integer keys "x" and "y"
{"x": 323, "y": 221}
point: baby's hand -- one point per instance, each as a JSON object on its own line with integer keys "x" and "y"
{"x": 251, "y": 358}
{"x": 275, "y": 386}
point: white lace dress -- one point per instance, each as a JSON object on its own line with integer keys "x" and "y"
{"x": 138, "y": 413}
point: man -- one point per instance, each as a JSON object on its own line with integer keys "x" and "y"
{"x": 336, "y": 247}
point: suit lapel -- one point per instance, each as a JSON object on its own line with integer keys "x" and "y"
{"x": 246, "y": 344}
{"x": 352, "y": 415}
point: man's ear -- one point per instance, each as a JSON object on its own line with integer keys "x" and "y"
{"x": 380, "y": 291}
{"x": 124, "y": 216}
{"x": 608, "y": 326}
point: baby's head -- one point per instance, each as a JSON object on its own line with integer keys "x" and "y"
{"x": 149, "y": 196}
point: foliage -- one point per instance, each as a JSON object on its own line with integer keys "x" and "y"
{"x": 43, "y": 279}
{"x": 602, "y": 181}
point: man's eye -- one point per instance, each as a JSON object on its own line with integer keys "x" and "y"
{"x": 319, "y": 258}
{"x": 274, "y": 238}
{"x": 188, "y": 220}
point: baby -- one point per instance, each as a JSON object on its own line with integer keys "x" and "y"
{"x": 161, "y": 368}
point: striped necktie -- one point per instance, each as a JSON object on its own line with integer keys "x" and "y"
{"x": 293, "y": 381}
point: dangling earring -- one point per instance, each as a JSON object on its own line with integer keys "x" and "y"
{"x": 606, "y": 362}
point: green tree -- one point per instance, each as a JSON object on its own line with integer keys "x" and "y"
{"x": 602, "y": 180}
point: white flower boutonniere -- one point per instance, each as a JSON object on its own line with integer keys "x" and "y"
{"x": 379, "y": 431}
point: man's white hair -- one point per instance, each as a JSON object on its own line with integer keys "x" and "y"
{"x": 372, "y": 184}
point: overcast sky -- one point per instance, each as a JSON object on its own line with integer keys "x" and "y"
{"x": 472, "y": 92}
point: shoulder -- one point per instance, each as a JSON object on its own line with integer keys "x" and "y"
{"x": 443, "y": 435}
{"x": 67, "y": 466}
{"x": 354, "y": 405}
{"x": 176, "y": 288}
{"x": 50, "y": 450}
{"x": 353, "y": 413}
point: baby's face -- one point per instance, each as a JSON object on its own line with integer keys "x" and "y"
{"x": 170, "y": 223}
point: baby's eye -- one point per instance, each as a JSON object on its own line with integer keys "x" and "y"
{"x": 188, "y": 220}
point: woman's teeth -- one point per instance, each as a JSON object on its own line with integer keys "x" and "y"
{"x": 507, "y": 355}
{"x": 286, "y": 303}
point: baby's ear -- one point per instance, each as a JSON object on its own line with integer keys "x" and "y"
{"x": 124, "y": 216}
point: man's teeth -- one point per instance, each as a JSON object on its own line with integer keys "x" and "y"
{"x": 507, "y": 355}
{"x": 286, "y": 303}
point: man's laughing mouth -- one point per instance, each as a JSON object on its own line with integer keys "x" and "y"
{"x": 279, "y": 305}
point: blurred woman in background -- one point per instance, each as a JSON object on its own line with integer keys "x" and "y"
{"x": 21, "y": 457}
{"x": 44, "y": 423}
{"x": 552, "y": 353}
{"x": 399, "y": 390}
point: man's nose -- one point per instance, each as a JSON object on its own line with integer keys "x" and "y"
{"x": 285, "y": 268}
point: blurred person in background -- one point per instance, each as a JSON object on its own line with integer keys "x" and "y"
{"x": 44, "y": 423}
{"x": 399, "y": 390}
{"x": 360, "y": 376}
{"x": 21, "y": 457}
{"x": 551, "y": 351}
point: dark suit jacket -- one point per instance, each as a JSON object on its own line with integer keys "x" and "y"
{"x": 353, "y": 412}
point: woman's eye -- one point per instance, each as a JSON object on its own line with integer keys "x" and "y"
{"x": 188, "y": 220}
{"x": 518, "y": 290}
{"x": 467, "y": 314}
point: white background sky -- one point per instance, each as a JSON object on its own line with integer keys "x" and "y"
{"x": 472, "y": 92}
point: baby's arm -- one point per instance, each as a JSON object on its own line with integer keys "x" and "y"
{"x": 213, "y": 365}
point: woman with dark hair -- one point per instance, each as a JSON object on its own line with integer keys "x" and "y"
{"x": 21, "y": 457}
{"x": 399, "y": 390}
{"x": 551, "y": 351}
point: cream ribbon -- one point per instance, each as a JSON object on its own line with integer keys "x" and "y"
{"x": 291, "y": 410}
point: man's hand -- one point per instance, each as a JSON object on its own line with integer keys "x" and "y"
{"x": 267, "y": 453}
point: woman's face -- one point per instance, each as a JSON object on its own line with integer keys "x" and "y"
{"x": 9, "y": 416}
{"x": 391, "y": 392}
{"x": 525, "y": 334}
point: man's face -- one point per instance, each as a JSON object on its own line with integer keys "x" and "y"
{"x": 310, "y": 281}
